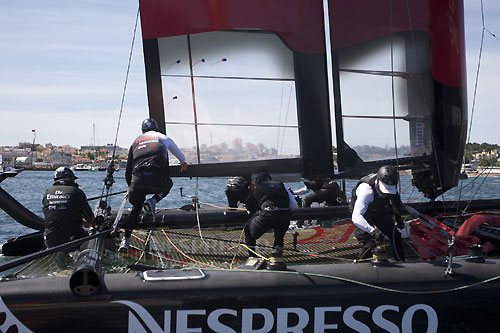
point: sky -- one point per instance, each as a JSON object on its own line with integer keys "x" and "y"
{"x": 63, "y": 66}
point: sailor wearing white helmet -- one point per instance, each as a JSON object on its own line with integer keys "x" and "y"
{"x": 375, "y": 205}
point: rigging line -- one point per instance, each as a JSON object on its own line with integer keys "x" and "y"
{"x": 369, "y": 285}
{"x": 383, "y": 117}
{"x": 228, "y": 124}
{"x": 125, "y": 84}
{"x": 471, "y": 183}
{"x": 492, "y": 34}
{"x": 167, "y": 259}
{"x": 229, "y": 77}
{"x": 157, "y": 251}
{"x": 474, "y": 98}
{"x": 393, "y": 97}
{"x": 180, "y": 251}
{"x": 221, "y": 207}
{"x": 394, "y": 128}
{"x": 404, "y": 75}
{"x": 237, "y": 248}
{"x": 122, "y": 100}
{"x": 143, "y": 250}
{"x": 479, "y": 187}
{"x": 286, "y": 119}
{"x": 198, "y": 213}
{"x": 426, "y": 102}
{"x": 477, "y": 74}
{"x": 281, "y": 110}
{"x": 460, "y": 191}
{"x": 195, "y": 116}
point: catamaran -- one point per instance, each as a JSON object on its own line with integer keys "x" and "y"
{"x": 396, "y": 70}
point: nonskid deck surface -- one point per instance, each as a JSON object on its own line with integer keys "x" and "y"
{"x": 216, "y": 248}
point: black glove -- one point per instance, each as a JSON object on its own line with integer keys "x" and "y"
{"x": 377, "y": 235}
{"x": 400, "y": 224}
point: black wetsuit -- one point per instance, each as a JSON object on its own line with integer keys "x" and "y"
{"x": 64, "y": 206}
{"x": 270, "y": 201}
{"x": 324, "y": 191}
{"x": 237, "y": 190}
{"x": 147, "y": 172}
{"x": 380, "y": 213}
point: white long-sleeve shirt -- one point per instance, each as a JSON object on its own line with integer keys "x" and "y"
{"x": 302, "y": 191}
{"x": 170, "y": 145}
{"x": 365, "y": 196}
{"x": 291, "y": 200}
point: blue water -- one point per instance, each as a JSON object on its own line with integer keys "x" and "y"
{"x": 28, "y": 188}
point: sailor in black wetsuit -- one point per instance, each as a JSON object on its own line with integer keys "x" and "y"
{"x": 271, "y": 202}
{"x": 324, "y": 190}
{"x": 375, "y": 208}
{"x": 327, "y": 191}
{"x": 147, "y": 173}
{"x": 237, "y": 190}
{"x": 65, "y": 207}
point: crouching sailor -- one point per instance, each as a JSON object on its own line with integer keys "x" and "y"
{"x": 65, "y": 208}
{"x": 237, "y": 190}
{"x": 147, "y": 173}
{"x": 271, "y": 202}
{"x": 324, "y": 190}
{"x": 375, "y": 205}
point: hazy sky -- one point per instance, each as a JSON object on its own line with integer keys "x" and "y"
{"x": 63, "y": 66}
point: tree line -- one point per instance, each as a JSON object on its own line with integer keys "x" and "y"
{"x": 474, "y": 147}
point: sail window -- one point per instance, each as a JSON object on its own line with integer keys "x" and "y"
{"x": 229, "y": 96}
{"x": 384, "y": 94}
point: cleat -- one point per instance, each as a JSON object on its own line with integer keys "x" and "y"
{"x": 124, "y": 245}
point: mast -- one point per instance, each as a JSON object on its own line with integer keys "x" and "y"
{"x": 93, "y": 140}
{"x": 33, "y": 146}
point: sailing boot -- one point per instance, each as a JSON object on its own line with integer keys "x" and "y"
{"x": 62, "y": 260}
{"x": 150, "y": 207}
{"x": 124, "y": 245}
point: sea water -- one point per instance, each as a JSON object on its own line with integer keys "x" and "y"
{"x": 29, "y": 186}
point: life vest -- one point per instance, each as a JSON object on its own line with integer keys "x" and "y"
{"x": 271, "y": 193}
{"x": 379, "y": 202}
{"x": 149, "y": 156}
{"x": 64, "y": 206}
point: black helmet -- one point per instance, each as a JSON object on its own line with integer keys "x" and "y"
{"x": 261, "y": 176}
{"x": 149, "y": 125}
{"x": 388, "y": 175}
{"x": 64, "y": 173}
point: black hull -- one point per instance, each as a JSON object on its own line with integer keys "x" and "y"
{"x": 23, "y": 245}
{"x": 318, "y": 296}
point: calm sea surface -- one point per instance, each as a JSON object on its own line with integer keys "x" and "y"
{"x": 28, "y": 188}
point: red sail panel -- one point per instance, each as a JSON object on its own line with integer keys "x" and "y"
{"x": 448, "y": 42}
{"x": 300, "y": 24}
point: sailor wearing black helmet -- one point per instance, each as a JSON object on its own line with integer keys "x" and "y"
{"x": 324, "y": 190}
{"x": 237, "y": 190}
{"x": 375, "y": 205}
{"x": 65, "y": 208}
{"x": 271, "y": 202}
{"x": 147, "y": 173}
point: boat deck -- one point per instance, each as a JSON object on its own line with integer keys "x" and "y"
{"x": 217, "y": 248}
